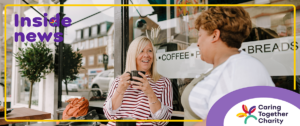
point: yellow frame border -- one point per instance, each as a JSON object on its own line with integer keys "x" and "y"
{"x": 129, "y": 5}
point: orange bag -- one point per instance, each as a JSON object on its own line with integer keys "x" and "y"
{"x": 76, "y": 107}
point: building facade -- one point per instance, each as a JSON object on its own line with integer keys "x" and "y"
{"x": 93, "y": 42}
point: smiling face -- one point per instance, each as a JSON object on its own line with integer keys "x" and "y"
{"x": 205, "y": 45}
{"x": 144, "y": 59}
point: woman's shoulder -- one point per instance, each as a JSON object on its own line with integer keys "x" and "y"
{"x": 245, "y": 59}
{"x": 164, "y": 80}
{"x": 246, "y": 64}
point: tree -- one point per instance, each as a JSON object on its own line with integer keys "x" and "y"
{"x": 72, "y": 64}
{"x": 35, "y": 63}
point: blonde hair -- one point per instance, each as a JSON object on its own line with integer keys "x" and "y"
{"x": 136, "y": 46}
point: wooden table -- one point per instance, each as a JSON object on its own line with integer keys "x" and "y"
{"x": 24, "y": 114}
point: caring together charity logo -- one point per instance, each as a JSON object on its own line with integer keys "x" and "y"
{"x": 53, "y": 23}
{"x": 266, "y": 114}
{"x": 247, "y": 113}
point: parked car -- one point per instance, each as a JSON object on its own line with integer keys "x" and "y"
{"x": 102, "y": 81}
{"x": 71, "y": 87}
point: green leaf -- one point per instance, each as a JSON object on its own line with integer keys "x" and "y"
{"x": 72, "y": 63}
{"x": 30, "y": 61}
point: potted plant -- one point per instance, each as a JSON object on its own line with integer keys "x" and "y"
{"x": 35, "y": 62}
{"x": 72, "y": 64}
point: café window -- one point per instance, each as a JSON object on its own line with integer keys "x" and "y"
{"x": 178, "y": 34}
{"x": 91, "y": 60}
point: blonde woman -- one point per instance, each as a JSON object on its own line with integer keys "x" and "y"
{"x": 151, "y": 98}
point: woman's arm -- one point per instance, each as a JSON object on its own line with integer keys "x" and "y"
{"x": 118, "y": 94}
{"x": 117, "y": 99}
{"x": 107, "y": 106}
{"x": 165, "y": 112}
{"x": 115, "y": 96}
{"x": 154, "y": 103}
{"x": 144, "y": 85}
{"x": 159, "y": 109}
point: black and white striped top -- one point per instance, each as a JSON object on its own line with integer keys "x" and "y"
{"x": 136, "y": 105}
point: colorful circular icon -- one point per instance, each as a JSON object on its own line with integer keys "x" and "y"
{"x": 276, "y": 106}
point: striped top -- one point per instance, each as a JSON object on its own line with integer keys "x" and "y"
{"x": 136, "y": 105}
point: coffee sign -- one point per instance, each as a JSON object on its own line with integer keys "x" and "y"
{"x": 277, "y": 55}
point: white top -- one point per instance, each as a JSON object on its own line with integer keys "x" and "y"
{"x": 238, "y": 71}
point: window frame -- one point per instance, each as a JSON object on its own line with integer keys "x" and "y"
{"x": 91, "y": 43}
{"x": 93, "y": 57}
{"x": 103, "y": 28}
{"x": 83, "y": 61}
{"x": 100, "y": 55}
{"x": 86, "y": 33}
